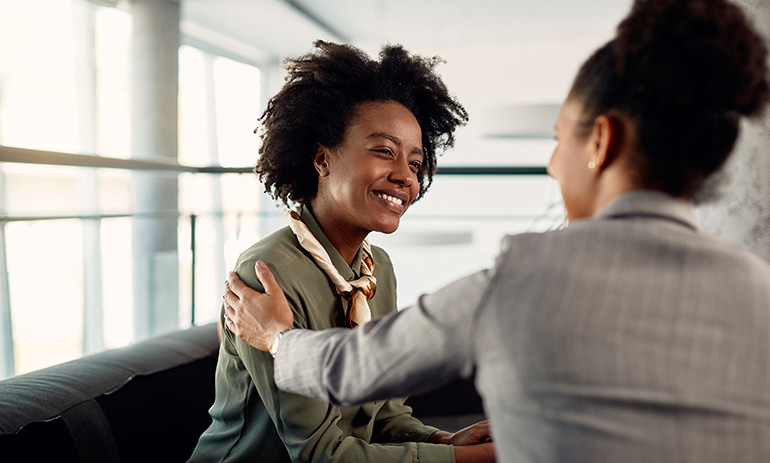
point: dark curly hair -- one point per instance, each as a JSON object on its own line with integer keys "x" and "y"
{"x": 319, "y": 99}
{"x": 684, "y": 71}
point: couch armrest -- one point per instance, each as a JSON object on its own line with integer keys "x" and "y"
{"x": 156, "y": 392}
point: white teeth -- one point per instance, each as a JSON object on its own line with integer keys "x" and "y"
{"x": 391, "y": 199}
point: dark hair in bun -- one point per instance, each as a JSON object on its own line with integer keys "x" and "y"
{"x": 684, "y": 71}
{"x": 319, "y": 99}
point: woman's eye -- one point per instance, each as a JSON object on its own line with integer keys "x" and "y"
{"x": 416, "y": 165}
{"x": 384, "y": 151}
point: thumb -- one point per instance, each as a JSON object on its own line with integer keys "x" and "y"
{"x": 266, "y": 277}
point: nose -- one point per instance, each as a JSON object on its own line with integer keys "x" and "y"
{"x": 402, "y": 174}
{"x": 549, "y": 167}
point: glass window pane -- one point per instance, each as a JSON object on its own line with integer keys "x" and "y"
{"x": 241, "y": 220}
{"x": 237, "y": 89}
{"x": 114, "y": 191}
{"x": 37, "y": 76}
{"x": 48, "y": 254}
{"x": 40, "y": 190}
{"x": 117, "y": 282}
{"x": 225, "y": 226}
{"x": 113, "y": 82}
{"x": 195, "y": 118}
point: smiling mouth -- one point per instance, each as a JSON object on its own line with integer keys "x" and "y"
{"x": 394, "y": 200}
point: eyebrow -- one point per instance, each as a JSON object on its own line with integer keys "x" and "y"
{"x": 395, "y": 140}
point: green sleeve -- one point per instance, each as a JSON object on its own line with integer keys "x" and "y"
{"x": 308, "y": 427}
{"x": 395, "y": 423}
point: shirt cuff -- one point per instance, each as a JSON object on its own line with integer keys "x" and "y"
{"x": 418, "y": 434}
{"x": 439, "y": 453}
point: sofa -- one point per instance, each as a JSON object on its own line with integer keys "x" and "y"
{"x": 146, "y": 402}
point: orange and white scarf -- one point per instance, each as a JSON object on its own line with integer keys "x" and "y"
{"x": 355, "y": 294}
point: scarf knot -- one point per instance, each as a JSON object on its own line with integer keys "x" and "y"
{"x": 355, "y": 294}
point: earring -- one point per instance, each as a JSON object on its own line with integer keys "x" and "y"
{"x": 591, "y": 165}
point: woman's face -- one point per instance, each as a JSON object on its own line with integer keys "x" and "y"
{"x": 372, "y": 176}
{"x": 569, "y": 162}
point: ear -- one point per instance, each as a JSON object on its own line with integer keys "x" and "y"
{"x": 603, "y": 142}
{"x": 321, "y": 160}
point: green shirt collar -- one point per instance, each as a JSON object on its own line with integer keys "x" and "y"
{"x": 345, "y": 270}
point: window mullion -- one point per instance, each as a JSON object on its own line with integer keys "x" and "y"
{"x": 84, "y": 22}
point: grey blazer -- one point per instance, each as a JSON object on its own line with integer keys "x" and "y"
{"x": 629, "y": 337}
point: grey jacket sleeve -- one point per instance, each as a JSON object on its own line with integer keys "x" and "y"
{"x": 408, "y": 352}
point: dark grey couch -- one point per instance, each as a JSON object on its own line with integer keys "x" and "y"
{"x": 145, "y": 403}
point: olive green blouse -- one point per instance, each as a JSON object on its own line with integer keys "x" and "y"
{"x": 253, "y": 421}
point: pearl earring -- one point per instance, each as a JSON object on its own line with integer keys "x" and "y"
{"x": 591, "y": 165}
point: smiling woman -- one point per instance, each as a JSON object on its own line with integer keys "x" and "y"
{"x": 352, "y": 142}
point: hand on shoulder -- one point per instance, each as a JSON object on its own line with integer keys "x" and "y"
{"x": 256, "y": 318}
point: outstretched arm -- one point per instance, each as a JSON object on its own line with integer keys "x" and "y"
{"x": 411, "y": 351}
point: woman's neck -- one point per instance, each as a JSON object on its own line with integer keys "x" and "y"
{"x": 345, "y": 240}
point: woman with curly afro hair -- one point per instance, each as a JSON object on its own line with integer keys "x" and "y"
{"x": 351, "y": 142}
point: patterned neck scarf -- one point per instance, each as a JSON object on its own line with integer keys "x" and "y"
{"x": 355, "y": 294}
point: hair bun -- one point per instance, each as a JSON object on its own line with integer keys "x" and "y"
{"x": 693, "y": 56}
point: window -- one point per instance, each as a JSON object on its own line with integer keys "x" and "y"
{"x": 38, "y": 95}
{"x": 65, "y": 87}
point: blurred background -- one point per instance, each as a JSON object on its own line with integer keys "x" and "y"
{"x": 126, "y": 148}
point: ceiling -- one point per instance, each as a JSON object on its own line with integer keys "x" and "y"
{"x": 273, "y": 29}
{"x": 502, "y": 56}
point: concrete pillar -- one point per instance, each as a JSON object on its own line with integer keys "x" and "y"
{"x": 742, "y": 212}
{"x": 155, "y": 69}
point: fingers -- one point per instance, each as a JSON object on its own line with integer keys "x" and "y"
{"x": 229, "y": 312}
{"x": 235, "y": 284}
{"x": 474, "y": 434}
{"x": 264, "y": 274}
{"x": 229, "y": 297}
{"x": 482, "y": 432}
{"x": 229, "y": 318}
{"x": 266, "y": 277}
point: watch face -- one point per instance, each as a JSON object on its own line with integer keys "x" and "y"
{"x": 274, "y": 346}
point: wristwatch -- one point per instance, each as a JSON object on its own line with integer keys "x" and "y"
{"x": 274, "y": 346}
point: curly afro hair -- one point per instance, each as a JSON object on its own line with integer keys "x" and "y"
{"x": 684, "y": 71}
{"x": 319, "y": 98}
